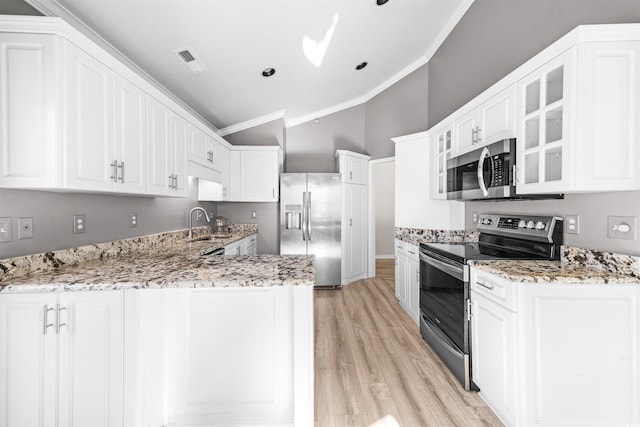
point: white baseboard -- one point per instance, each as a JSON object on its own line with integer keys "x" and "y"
{"x": 384, "y": 256}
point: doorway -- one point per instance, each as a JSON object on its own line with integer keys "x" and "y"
{"x": 381, "y": 212}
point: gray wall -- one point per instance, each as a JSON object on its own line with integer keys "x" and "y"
{"x": 399, "y": 110}
{"x": 267, "y": 218}
{"x": 270, "y": 133}
{"x": 107, "y": 217}
{"x": 16, "y": 7}
{"x": 311, "y": 146}
{"x": 495, "y": 37}
{"x": 385, "y": 195}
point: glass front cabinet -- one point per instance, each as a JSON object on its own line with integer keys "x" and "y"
{"x": 442, "y": 152}
{"x": 544, "y": 115}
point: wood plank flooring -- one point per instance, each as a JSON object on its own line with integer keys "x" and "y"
{"x": 370, "y": 361}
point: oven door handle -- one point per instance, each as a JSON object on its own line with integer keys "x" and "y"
{"x": 454, "y": 271}
{"x": 442, "y": 339}
{"x": 483, "y": 156}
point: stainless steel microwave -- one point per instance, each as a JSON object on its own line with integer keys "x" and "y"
{"x": 487, "y": 173}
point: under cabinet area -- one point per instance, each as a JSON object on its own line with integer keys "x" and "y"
{"x": 61, "y": 359}
{"x": 407, "y": 270}
{"x": 556, "y": 354}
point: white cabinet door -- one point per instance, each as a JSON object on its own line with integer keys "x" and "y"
{"x": 27, "y": 360}
{"x": 354, "y": 227}
{"x": 233, "y": 357}
{"x": 545, "y": 115}
{"x": 199, "y": 147}
{"x": 178, "y": 153}
{"x": 442, "y": 152}
{"x": 29, "y": 110}
{"x": 259, "y": 174}
{"x": 161, "y": 176}
{"x": 91, "y": 358}
{"x": 493, "y": 353}
{"x": 88, "y": 108}
{"x": 353, "y": 167}
{"x": 413, "y": 283}
{"x": 130, "y": 130}
{"x": 464, "y": 132}
{"x": 401, "y": 267}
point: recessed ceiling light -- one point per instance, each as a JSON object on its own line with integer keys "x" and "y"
{"x": 268, "y": 72}
{"x": 361, "y": 65}
{"x": 381, "y": 2}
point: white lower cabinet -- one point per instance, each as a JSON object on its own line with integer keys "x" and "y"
{"x": 246, "y": 246}
{"x": 408, "y": 279}
{"x": 61, "y": 359}
{"x": 555, "y": 354}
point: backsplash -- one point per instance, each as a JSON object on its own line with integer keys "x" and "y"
{"x": 28, "y": 264}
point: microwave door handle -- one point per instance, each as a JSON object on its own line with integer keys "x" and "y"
{"x": 483, "y": 155}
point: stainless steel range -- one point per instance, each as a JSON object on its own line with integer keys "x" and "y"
{"x": 444, "y": 279}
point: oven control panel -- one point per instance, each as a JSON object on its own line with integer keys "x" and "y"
{"x": 543, "y": 228}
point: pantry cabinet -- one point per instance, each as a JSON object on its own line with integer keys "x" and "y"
{"x": 61, "y": 359}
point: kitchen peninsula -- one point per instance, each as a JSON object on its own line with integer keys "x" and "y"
{"x": 150, "y": 331}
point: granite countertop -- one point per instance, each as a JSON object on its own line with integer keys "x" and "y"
{"x": 553, "y": 272}
{"x": 179, "y": 263}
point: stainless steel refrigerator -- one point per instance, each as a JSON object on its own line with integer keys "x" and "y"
{"x": 310, "y": 221}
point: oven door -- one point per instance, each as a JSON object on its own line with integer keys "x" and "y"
{"x": 444, "y": 291}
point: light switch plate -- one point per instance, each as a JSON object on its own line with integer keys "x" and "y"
{"x": 5, "y": 229}
{"x": 621, "y": 227}
{"x": 79, "y": 224}
{"x": 25, "y": 228}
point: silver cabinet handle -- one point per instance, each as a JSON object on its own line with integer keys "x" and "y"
{"x": 46, "y": 325}
{"x": 350, "y": 175}
{"x": 350, "y": 222}
{"x": 58, "y": 324}
{"x": 210, "y": 156}
{"x": 114, "y": 170}
{"x": 171, "y": 181}
{"x": 473, "y": 136}
{"x": 412, "y": 253}
{"x": 175, "y": 182}
{"x": 478, "y": 130}
{"x": 484, "y": 285}
{"x": 121, "y": 167}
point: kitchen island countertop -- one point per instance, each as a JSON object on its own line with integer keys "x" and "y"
{"x": 177, "y": 264}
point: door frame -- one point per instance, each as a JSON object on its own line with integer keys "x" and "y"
{"x": 371, "y": 241}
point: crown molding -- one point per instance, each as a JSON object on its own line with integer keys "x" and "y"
{"x": 252, "y": 123}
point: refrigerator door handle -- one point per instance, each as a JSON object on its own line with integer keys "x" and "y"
{"x": 304, "y": 216}
{"x": 308, "y": 215}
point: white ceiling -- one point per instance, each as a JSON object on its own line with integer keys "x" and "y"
{"x": 237, "y": 39}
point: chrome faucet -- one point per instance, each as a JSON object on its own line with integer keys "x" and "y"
{"x": 197, "y": 208}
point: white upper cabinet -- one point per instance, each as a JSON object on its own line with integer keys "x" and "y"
{"x": 491, "y": 121}
{"x": 74, "y": 118}
{"x": 353, "y": 167}
{"x": 105, "y": 134}
{"x": 29, "y": 111}
{"x": 205, "y": 150}
{"x": 255, "y": 173}
{"x": 441, "y": 147}
{"x": 578, "y": 114}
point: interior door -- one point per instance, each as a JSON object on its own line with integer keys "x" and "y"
{"x": 324, "y": 211}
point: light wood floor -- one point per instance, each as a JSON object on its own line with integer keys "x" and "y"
{"x": 370, "y": 361}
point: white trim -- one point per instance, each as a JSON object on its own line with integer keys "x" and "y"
{"x": 51, "y": 8}
{"x": 371, "y": 250}
{"x": 252, "y": 123}
{"x": 385, "y": 256}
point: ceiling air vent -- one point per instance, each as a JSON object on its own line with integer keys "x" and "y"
{"x": 188, "y": 58}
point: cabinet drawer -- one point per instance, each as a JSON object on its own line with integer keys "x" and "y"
{"x": 413, "y": 252}
{"x": 495, "y": 288}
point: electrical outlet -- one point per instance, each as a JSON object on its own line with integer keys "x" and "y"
{"x": 25, "y": 228}
{"x": 573, "y": 224}
{"x": 79, "y": 224}
{"x": 474, "y": 217}
{"x": 621, "y": 227}
{"x": 5, "y": 229}
{"x": 133, "y": 220}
